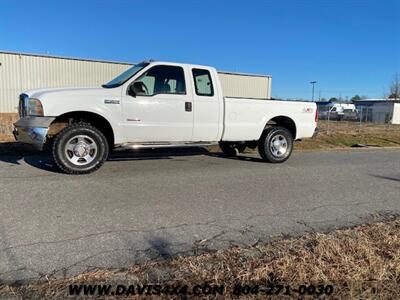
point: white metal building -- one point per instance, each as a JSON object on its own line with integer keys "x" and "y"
{"x": 379, "y": 110}
{"x": 20, "y": 72}
{"x": 245, "y": 85}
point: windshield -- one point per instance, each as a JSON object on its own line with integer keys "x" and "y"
{"x": 123, "y": 77}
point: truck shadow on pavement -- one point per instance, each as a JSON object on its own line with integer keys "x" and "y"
{"x": 149, "y": 154}
{"x": 171, "y": 153}
{"x": 241, "y": 156}
{"x": 16, "y": 153}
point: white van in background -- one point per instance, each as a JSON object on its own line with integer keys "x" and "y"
{"x": 339, "y": 111}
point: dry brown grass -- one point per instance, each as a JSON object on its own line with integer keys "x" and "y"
{"x": 6, "y": 124}
{"x": 336, "y": 135}
{"x": 6, "y": 127}
{"x": 361, "y": 263}
{"x": 6, "y": 138}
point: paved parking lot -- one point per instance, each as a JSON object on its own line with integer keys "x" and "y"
{"x": 163, "y": 203}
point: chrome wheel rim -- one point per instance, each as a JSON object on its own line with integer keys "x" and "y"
{"x": 278, "y": 145}
{"x": 81, "y": 150}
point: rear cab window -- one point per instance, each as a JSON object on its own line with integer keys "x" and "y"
{"x": 202, "y": 82}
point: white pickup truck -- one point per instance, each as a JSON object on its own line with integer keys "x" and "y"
{"x": 158, "y": 104}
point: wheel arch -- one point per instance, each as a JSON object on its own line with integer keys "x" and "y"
{"x": 94, "y": 119}
{"x": 285, "y": 122}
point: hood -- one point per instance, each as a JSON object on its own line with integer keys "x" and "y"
{"x": 44, "y": 92}
{"x": 57, "y": 101}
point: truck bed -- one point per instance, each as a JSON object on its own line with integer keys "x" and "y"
{"x": 245, "y": 118}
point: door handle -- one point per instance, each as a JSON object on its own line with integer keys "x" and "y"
{"x": 188, "y": 106}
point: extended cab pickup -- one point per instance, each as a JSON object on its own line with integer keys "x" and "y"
{"x": 158, "y": 104}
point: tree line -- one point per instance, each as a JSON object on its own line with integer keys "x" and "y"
{"x": 393, "y": 93}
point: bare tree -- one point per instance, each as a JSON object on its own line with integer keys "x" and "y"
{"x": 395, "y": 87}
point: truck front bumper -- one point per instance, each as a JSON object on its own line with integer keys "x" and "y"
{"x": 32, "y": 130}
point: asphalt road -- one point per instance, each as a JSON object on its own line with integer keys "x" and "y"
{"x": 155, "y": 205}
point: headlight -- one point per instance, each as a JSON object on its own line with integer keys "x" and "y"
{"x": 34, "y": 108}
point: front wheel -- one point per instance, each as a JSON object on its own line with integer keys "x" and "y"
{"x": 80, "y": 149}
{"x": 275, "y": 145}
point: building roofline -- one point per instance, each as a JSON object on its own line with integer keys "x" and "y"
{"x": 65, "y": 57}
{"x": 382, "y": 100}
{"x": 378, "y": 99}
{"x": 245, "y": 74}
{"x": 119, "y": 62}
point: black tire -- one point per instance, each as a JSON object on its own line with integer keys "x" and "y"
{"x": 232, "y": 149}
{"x": 92, "y": 144}
{"x": 269, "y": 151}
{"x": 48, "y": 146}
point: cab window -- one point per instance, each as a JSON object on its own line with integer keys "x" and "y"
{"x": 202, "y": 82}
{"x": 161, "y": 80}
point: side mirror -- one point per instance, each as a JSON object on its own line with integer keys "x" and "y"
{"x": 131, "y": 90}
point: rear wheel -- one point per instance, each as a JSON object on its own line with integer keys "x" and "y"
{"x": 232, "y": 149}
{"x": 275, "y": 145}
{"x": 80, "y": 149}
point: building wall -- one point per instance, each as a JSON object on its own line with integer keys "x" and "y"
{"x": 20, "y": 72}
{"x": 396, "y": 114}
{"x": 381, "y": 112}
{"x": 245, "y": 86}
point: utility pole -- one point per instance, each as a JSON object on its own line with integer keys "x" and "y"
{"x": 313, "y": 83}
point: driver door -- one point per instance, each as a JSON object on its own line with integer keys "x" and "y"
{"x": 159, "y": 107}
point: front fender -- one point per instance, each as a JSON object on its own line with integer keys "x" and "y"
{"x": 107, "y": 115}
{"x": 98, "y": 106}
